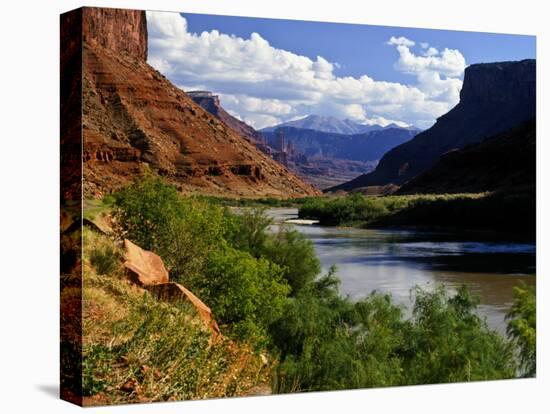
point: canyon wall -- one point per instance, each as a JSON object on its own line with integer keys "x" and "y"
{"x": 495, "y": 97}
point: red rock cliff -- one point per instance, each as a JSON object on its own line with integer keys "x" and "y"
{"x": 132, "y": 115}
{"x": 118, "y": 30}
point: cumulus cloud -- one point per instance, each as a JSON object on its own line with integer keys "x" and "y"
{"x": 264, "y": 85}
{"x": 400, "y": 41}
{"x": 449, "y": 62}
{"x": 431, "y": 51}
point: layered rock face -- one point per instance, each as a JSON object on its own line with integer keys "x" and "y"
{"x": 118, "y": 30}
{"x": 211, "y": 103}
{"x": 495, "y": 97}
{"x": 132, "y": 115}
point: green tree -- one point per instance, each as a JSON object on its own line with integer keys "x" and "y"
{"x": 245, "y": 293}
{"x": 247, "y": 230}
{"x": 522, "y": 328}
{"x": 449, "y": 342}
{"x": 296, "y": 256}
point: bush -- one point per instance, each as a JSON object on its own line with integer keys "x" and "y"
{"x": 328, "y": 342}
{"x": 352, "y": 209}
{"x": 105, "y": 259}
{"x": 522, "y": 328}
{"x": 182, "y": 231}
{"x": 448, "y": 342}
{"x": 287, "y": 248}
{"x": 248, "y": 230}
{"x": 475, "y": 211}
{"x": 245, "y": 293}
{"x": 295, "y": 255}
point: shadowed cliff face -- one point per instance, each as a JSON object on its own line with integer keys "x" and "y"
{"x": 503, "y": 82}
{"x": 494, "y": 98}
{"x": 132, "y": 115}
{"x": 504, "y": 162}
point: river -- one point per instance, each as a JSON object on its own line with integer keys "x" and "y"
{"x": 394, "y": 261}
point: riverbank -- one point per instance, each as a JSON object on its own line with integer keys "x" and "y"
{"x": 506, "y": 215}
{"x": 394, "y": 261}
{"x": 269, "y": 292}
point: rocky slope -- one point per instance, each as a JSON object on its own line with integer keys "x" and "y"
{"x": 132, "y": 115}
{"x": 494, "y": 98}
{"x": 211, "y": 103}
{"x": 505, "y": 162}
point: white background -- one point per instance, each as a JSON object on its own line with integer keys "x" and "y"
{"x": 29, "y": 170}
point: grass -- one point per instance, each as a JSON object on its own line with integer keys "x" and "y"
{"x": 105, "y": 259}
{"x": 93, "y": 208}
{"x": 138, "y": 349}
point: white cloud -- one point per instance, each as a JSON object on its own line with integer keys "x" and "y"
{"x": 265, "y": 85}
{"x": 431, "y": 51}
{"x": 400, "y": 41}
{"x": 449, "y": 62}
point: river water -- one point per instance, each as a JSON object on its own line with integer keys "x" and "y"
{"x": 394, "y": 261}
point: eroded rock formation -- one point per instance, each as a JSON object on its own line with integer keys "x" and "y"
{"x": 132, "y": 115}
{"x": 118, "y": 30}
{"x": 211, "y": 103}
{"x": 494, "y": 98}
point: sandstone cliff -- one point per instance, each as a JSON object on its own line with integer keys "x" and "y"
{"x": 504, "y": 162}
{"x": 211, "y": 103}
{"x": 494, "y": 98}
{"x": 132, "y": 115}
{"x": 118, "y": 30}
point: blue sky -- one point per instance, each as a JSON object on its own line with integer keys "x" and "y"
{"x": 362, "y": 48}
{"x": 268, "y": 71}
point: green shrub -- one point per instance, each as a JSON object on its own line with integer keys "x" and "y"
{"x": 288, "y": 248}
{"x": 449, "y": 342}
{"x": 485, "y": 211}
{"x": 295, "y": 255}
{"x": 183, "y": 231}
{"x": 245, "y": 293}
{"x": 327, "y": 342}
{"x": 248, "y": 230}
{"x": 522, "y": 328}
{"x": 352, "y": 209}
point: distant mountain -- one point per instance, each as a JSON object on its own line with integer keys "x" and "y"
{"x": 506, "y": 162}
{"x": 367, "y": 146}
{"x": 330, "y": 124}
{"x": 494, "y": 98}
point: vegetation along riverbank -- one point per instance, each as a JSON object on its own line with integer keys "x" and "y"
{"x": 285, "y": 326}
{"x": 509, "y": 214}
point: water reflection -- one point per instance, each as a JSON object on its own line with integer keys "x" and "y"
{"x": 394, "y": 261}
